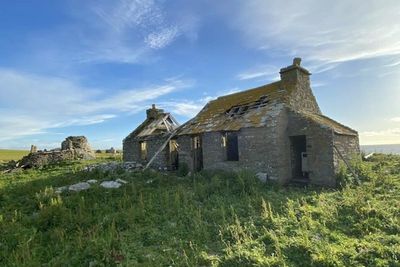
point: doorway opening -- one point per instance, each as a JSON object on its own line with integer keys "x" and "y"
{"x": 230, "y": 142}
{"x": 299, "y": 157}
{"x": 197, "y": 153}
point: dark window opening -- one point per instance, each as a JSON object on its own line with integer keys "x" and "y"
{"x": 232, "y": 146}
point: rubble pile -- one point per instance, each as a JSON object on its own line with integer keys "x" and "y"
{"x": 72, "y": 148}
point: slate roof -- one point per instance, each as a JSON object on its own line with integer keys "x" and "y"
{"x": 329, "y": 123}
{"x": 251, "y": 108}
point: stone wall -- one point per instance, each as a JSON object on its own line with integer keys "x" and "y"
{"x": 349, "y": 148}
{"x": 72, "y": 148}
{"x": 296, "y": 80}
{"x": 41, "y": 158}
{"x": 131, "y": 148}
{"x": 185, "y": 151}
{"x": 263, "y": 149}
{"x": 319, "y": 141}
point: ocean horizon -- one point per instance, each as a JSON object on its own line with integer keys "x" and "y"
{"x": 386, "y": 149}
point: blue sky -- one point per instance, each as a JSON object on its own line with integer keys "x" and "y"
{"x": 92, "y": 67}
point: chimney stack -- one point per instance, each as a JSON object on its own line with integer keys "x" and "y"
{"x": 295, "y": 73}
{"x": 153, "y": 112}
{"x": 296, "y": 81}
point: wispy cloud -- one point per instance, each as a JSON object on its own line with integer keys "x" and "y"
{"x": 120, "y": 31}
{"x": 32, "y": 104}
{"x": 320, "y": 32}
{"x": 265, "y": 72}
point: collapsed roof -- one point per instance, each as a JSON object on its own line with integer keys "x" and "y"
{"x": 157, "y": 122}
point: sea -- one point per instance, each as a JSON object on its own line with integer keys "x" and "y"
{"x": 386, "y": 149}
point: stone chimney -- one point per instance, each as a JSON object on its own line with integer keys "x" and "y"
{"x": 153, "y": 112}
{"x": 296, "y": 81}
{"x": 295, "y": 73}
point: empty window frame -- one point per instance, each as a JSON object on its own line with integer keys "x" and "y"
{"x": 231, "y": 146}
{"x": 196, "y": 142}
{"x": 143, "y": 150}
{"x": 242, "y": 109}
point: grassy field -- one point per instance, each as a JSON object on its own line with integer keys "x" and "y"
{"x": 7, "y": 155}
{"x": 209, "y": 219}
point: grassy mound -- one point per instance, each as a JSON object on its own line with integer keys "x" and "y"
{"x": 211, "y": 218}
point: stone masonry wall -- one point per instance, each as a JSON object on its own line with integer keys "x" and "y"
{"x": 296, "y": 80}
{"x": 131, "y": 148}
{"x": 185, "y": 151}
{"x": 348, "y": 146}
{"x": 263, "y": 149}
{"x": 319, "y": 140}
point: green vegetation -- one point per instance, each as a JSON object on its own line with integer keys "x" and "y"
{"x": 211, "y": 218}
{"x": 108, "y": 156}
{"x": 7, "y": 155}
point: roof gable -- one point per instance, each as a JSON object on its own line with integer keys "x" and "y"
{"x": 329, "y": 123}
{"x": 164, "y": 123}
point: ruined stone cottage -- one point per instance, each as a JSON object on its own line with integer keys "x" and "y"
{"x": 276, "y": 130}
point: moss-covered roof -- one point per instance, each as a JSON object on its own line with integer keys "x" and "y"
{"x": 330, "y": 123}
{"x": 253, "y": 107}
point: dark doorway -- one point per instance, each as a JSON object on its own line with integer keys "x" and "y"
{"x": 197, "y": 153}
{"x": 298, "y": 147}
{"x": 232, "y": 147}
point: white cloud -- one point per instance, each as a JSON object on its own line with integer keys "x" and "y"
{"x": 32, "y": 104}
{"x": 157, "y": 40}
{"x": 328, "y": 33}
{"x": 265, "y": 72}
{"x": 128, "y": 30}
{"x": 184, "y": 108}
{"x": 378, "y": 137}
{"x": 395, "y": 119}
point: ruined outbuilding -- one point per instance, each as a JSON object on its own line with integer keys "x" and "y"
{"x": 72, "y": 148}
{"x": 276, "y": 130}
{"x": 147, "y": 139}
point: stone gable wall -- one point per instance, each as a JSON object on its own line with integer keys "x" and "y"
{"x": 348, "y": 146}
{"x": 131, "y": 148}
{"x": 319, "y": 148}
{"x": 301, "y": 97}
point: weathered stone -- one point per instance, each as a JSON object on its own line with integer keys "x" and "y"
{"x": 79, "y": 186}
{"x": 262, "y": 176}
{"x": 33, "y": 149}
{"x": 110, "y": 184}
{"x": 73, "y": 148}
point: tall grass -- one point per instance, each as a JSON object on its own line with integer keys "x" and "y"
{"x": 207, "y": 219}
